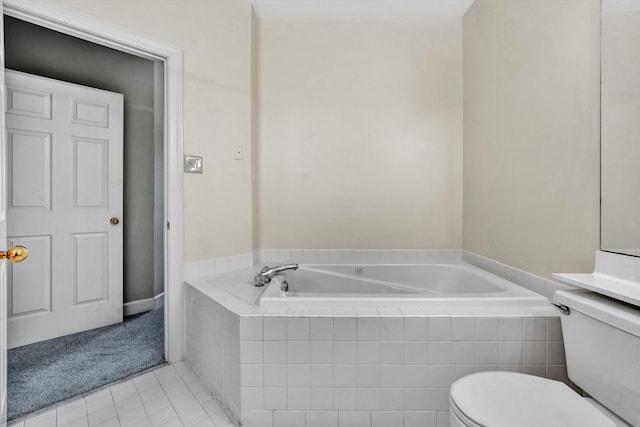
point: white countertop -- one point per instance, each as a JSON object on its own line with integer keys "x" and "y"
{"x": 614, "y": 276}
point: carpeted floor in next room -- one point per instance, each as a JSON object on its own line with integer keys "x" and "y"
{"x": 51, "y": 371}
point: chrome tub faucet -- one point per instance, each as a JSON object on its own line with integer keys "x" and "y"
{"x": 268, "y": 273}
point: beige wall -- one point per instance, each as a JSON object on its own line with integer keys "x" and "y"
{"x": 216, "y": 39}
{"x": 531, "y": 133}
{"x": 359, "y": 133}
{"x": 359, "y": 128}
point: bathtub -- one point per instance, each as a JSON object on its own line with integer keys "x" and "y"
{"x": 393, "y": 285}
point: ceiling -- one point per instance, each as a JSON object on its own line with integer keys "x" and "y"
{"x": 327, "y": 8}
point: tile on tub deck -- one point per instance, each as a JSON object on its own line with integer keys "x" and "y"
{"x": 345, "y": 398}
{"x": 416, "y": 329}
{"x": 321, "y": 352}
{"x": 345, "y": 376}
{"x": 275, "y": 398}
{"x": 368, "y": 328}
{"x": 345, "y": 352}
{"x": 392, "y": 376}
{"x": 510, "y": 328}
{"x": 419, "y": 418}
{"x": 354, "y": 418}
{"x": 368, "y": 352}
{"x": 487, "y": 329}
{"x": 298, "y": 375}
{"x": 415, "y": 375}
{"x": 298, "y": 398}
{"x": 344, "y": 329}
{"x": 298, "y": 328}
{"x": 289, "y": 418}
{"x": 274, "y": 375}
{"x": 275, "y": 351}
{"x": 534, "y": 328}
{"x": 321, "y": 375}
{"x": 298, "y": 351}
{"x": 275, "y": 328}
{"x": 415, "y": 352}
{"x": 463, "y": 352}
{"x": 321, "y": 398}
{"x": 439, "y": 329}
{"x": 321, "y": 328}
{"x": 392, "y": 352}
{"x": 368, "y": 375}
{"x": 392, "y": 399}
{"x": 392, "y": 329}
{"x": 389, "y": 418}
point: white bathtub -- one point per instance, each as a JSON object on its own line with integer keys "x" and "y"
{"x": 393, "y": 285}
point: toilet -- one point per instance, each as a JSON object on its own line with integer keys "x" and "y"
{"x": 602, "y": 346}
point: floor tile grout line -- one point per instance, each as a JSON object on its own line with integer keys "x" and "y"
{"x": 179, "y": 374}
{"x": 16, "y": 421}
{"x": 165, "y": 392}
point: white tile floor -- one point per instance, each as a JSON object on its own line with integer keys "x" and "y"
{"x": 171, "y": 395}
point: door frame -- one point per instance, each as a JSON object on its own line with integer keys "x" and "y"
{"x": 74, "y": 23}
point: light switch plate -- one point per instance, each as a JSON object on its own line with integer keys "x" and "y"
{"x": 192, "y": 164}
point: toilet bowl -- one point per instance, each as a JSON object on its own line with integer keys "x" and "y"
{"x": 602, "y": 345}
{"x": 509, "y": 399}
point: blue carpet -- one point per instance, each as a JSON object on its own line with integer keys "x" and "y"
{"x": 51, "y": 371}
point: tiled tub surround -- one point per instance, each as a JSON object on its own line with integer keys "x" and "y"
{"x": 354, "y": 367}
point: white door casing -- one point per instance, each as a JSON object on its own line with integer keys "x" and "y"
{"x": 64, "y": 183}
{"x": 69, "y": 21}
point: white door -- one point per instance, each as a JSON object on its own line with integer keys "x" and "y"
{"x": 64, "y": 147}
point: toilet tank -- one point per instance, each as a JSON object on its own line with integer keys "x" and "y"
{"x": 602, "y": 345}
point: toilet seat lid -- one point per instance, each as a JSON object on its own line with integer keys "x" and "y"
{"x": 507, "y": 399}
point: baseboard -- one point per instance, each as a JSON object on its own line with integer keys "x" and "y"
{"x": 159, "y": 300}
{"x": 142, "y": 305}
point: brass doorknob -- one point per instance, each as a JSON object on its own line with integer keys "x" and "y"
{"x": 15, "y": 254}
{"x": 115, "y": 220}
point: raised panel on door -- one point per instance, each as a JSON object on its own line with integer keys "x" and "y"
{"x": 29, "y": 169}
{"x": 90, "y": 178}
{"x": 89, "y": 113}
{"x": 90, "y": 261}
{"x": 25, "y": 102}
{"x": 30, "y": 281}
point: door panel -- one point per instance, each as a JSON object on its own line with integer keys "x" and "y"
{"x": 29, "y": 169}
{"x": 90, "y": 114}
{"x": 90, "y": 165}
{"x": 29, "y": 103}
{"x": 90, "y": 268}
{"x": 66, "y": 182}
{"x": 31, "y": 287}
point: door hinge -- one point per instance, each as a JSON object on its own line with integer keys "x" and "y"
{"x": 168, "y": 225}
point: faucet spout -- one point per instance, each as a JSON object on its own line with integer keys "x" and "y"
{"x": 268, "y": 273}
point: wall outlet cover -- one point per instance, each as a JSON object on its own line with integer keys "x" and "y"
{"x": 192, "y": 164}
